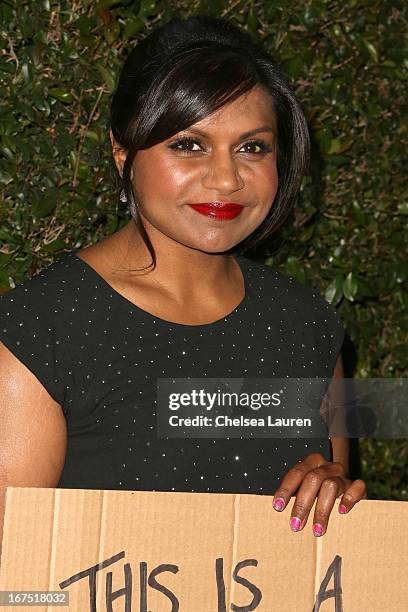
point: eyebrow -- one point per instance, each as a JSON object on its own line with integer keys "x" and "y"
{"x": 262, "y": 128}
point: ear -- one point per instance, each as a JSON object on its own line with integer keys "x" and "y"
{"x": 118, "y": 152}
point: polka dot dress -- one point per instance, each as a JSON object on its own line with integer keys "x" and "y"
{"x": 99, "y": 356}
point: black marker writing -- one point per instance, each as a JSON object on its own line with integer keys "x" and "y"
{"x": 164, "y": 567}
{"x": 91, "y": 573}
{"x": 335, "y": 571}
{"x": 126, "y": 590}
{"x": 219, "y": 576}
{"x": 251, "y": 587}
{"x": 219, "y": 573}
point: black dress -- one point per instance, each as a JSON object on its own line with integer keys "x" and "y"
{"x": 99, "y": 356}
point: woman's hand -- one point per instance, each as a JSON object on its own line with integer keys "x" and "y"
{"x": 316, "y": 477}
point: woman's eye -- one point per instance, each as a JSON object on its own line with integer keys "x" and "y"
{"x": 189, "y": 145}
{"x": 256, "y": 146}
{"x": 184, "y": 144}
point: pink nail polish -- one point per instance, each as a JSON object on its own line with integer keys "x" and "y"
{"x": 295, "y": 523}
{"x": 342, "y": 509}
{"x": 317, "y": 529}
{"x": 279, "y": 503}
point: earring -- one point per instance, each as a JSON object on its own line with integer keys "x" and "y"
{"x": 122, "y": 196}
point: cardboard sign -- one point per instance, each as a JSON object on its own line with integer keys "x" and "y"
{"x": 200, "y": 552}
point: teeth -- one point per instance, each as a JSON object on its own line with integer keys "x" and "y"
{"x": 220, "y": 205}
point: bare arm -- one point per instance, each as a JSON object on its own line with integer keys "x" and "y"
{"x": 340, "y": 446}
{"x": 33, "y": 436}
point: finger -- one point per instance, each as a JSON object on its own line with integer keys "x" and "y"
{"x": 354, "y": 493}
{"x": 330, "y": 489}
{"x": 315, "y": 460}
{"x": 308, "y": 492}
{"x": 294, "y": 477}
{"x": 288, "y": 485}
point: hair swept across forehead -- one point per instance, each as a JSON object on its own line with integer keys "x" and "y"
{"x": 179, "y": 95}
{"x": 184, "y": 71}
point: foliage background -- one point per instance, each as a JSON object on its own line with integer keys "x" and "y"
{"x": 346, "y": 59}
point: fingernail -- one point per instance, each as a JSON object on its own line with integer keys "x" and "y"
{"x": 317, "y": 529}
{"x": 279, "y": 503}
{"x": 295, "y": 523}
{"x": 342, "y": 509}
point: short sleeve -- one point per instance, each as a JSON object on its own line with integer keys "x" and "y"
{"x": 333, "y": 331}
{"x": 313, "y": 320}
{"x": 27, "y": 329}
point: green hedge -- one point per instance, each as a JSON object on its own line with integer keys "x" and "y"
{"x": 58, "y": 67}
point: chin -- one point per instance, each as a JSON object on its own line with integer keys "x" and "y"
{"x": 211, "y": 242}
{"x": 212, "y": 248}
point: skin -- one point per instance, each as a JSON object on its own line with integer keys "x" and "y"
{"x": 315, "y": 479}
{"x": 190, "y": 248}
{"x": 218, "y": 170}
{"x": 188, "y": 245}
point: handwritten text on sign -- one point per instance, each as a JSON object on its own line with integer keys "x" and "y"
{"x": 148, "y": 578}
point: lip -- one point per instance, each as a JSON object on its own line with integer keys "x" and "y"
{"x": 218, "y": 210}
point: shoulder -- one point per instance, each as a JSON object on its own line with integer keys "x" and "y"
{"x": 301, "y": 318}
{"x": 285, "y": 288}
{"x": 50, "y": 276}
{"x": 287, "y": 298}
{"x": 35, "y": 325}
{"x": 49, "y": 287}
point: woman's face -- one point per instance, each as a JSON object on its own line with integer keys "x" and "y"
{"x": 230, "y": 156}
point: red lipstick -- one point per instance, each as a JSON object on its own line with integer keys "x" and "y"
{"x": 218, "y": 210}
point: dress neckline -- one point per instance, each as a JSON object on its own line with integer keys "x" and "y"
{"x": 134, "y": 308}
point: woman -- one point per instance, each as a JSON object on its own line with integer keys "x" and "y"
{"x": 210, "y": 145}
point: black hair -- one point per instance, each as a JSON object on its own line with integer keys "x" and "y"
{"x": 184, "y": 71}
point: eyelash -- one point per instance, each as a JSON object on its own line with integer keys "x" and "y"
{"x": 186, "y": 140}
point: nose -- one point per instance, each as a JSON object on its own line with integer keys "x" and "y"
{"x": 221, "y": 174}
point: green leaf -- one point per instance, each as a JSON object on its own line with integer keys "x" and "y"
{"x": 252, "y": 22}
{"x": 350, "y": 287}
{"x": 371, "y": 49}
{"x": 112, "y": 32}
{"x": 358, "y": 215}
{"x": 133, "y": 27}
{"x": 306, "y": 234}
{"x": 55, "y": 245}
{"x": 107, "y": 76}
{"x": 338, "y": 146}
{"x": 62, "y": 95}
{"x": 43, "y": 206}
{"x": 5, "y": 260}
{"x": 334, "y": 291}
{"x": 7, "y": 151}
{"x": 323, "y": 139}
{"x": 148, "y": 8}
{"x": 93, "y": 135}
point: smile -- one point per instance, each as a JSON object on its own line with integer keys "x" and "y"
{"x": 218, "y": 210}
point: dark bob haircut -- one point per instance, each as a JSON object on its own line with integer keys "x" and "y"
{"x": 184, "y": 71}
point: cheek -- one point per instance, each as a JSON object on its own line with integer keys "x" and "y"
{"x": 160, "y": 178}
{"x": 271, "y": 177}
{"x": 264, "y": 182}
